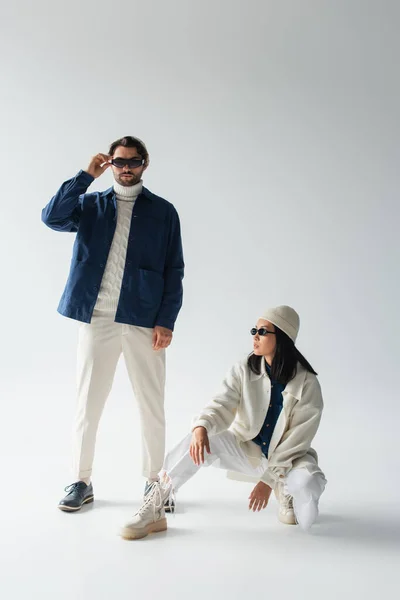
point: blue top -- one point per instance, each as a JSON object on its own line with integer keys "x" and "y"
{"x": 151, "y": 292}
{"x": 263, "y": 439}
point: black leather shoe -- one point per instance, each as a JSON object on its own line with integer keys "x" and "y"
{"x": 78, "y": 494}
{"x": 169, "y": 505}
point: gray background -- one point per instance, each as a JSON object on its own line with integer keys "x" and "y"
{"x": 273, "y": 127}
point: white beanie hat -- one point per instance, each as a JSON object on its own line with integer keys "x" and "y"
{"x": 285, "y": 318}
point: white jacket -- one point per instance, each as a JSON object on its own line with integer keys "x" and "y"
{"x": 242, "y": 405}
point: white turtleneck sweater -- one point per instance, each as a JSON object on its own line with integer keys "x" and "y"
{"x": 110, "y": 289}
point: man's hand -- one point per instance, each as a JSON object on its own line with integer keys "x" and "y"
{"x": 161, "y": 338}
{"x": 199, "y": 442}
{"x": 98, "y": 165}
{"x": 259, "y": 496}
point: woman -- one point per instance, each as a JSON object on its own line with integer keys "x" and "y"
{"x": 260, "y": 426}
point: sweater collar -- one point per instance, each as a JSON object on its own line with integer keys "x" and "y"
{"x": 128, "y": 192}
{"x": 110, "y": 192}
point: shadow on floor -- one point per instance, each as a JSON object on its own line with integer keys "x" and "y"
{"x": 365, "y": 529}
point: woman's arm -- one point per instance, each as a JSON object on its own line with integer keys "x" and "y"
{"x": 296, "y": 441}
{"x": 219, "y": 415}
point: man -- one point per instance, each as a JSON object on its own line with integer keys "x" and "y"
{"x": 125, "y": 286}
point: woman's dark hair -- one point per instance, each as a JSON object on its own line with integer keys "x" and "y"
{"x": 130, "y": 142}
{"x": 284, "y": 365}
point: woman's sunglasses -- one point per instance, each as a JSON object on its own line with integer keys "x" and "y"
{"x": 261, "y": 331}
{"x": 132, "y": 163}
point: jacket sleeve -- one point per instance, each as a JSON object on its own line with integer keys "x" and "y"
{"x": 219, "y": 415}
{"x": 296, "y": 441}
{"x": 173, "y": 276}
{"x": 63, "y": 211}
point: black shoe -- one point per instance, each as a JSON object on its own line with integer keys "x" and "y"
{"x": 169, "y": 505}
{"x": 78, "y": 494}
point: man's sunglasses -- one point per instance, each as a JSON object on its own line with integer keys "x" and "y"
{"x": 132, "y": 163}
{"x": 261, "y": 331}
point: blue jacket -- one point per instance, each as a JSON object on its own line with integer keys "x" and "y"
{"x": 151, "y": 292}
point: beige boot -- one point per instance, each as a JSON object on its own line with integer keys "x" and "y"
{"x": 286, "y": 512}
{"x": 150, "y": 518}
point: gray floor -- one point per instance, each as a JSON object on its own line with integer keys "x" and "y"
{"x": 214, "y": 545}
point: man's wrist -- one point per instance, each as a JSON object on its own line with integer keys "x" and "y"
{"x": 86, "y": 174}
{"x": 166, "y": 325}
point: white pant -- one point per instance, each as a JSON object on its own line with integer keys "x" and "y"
{"x": 100, "y": 346}
{"x": 226, "y": 453}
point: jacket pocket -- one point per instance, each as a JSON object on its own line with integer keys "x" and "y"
{"x": 151, "y": 287}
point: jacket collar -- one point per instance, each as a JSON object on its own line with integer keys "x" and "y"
{"x": 294, "y": 387}
{"x": 254, "y": 376}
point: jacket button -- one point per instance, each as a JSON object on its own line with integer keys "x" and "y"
{"x": 95, "y": 288}
{"x": 101, "y": 265}
{"x": 264, "y": 443}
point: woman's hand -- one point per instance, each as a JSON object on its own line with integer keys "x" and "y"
{"x": 259, "y": 496}
{"x": 199, "y": 442}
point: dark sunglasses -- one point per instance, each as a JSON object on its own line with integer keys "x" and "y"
{"x": 132, "y": 163}
{"x": 261, "y": 331}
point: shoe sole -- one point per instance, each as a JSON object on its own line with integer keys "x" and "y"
{"x": 138, "y": 534}
{"x": 75, "y": 509}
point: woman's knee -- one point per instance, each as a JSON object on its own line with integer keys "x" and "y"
{"x": 301, "y": 480}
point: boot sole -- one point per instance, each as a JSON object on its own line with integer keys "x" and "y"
{"x": 75, "y": 509}
{"x": 138, "y": 534}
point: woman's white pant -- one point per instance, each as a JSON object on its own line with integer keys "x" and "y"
{"x": 100, "y": 346}
{"x": 226, "y": 453}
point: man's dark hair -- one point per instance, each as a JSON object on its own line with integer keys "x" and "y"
{"x": 129, "y": 141}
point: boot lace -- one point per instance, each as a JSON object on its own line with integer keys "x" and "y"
{"x": 153, "y": 500}
{"x": 286, "y": 502}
